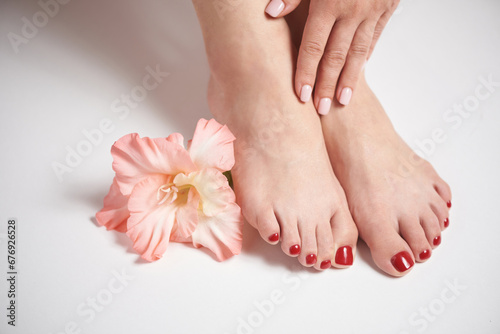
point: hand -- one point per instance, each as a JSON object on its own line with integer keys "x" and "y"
{"x": 339, "y": 37}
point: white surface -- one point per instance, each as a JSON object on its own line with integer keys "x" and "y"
{"x": 65, "y": 79}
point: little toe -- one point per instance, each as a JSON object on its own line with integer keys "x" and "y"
{"x": 268, "y": 227}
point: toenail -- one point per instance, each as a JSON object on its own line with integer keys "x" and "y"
{"x": 295, "y": 250}
{"x": 311, "y": 259}
{"x": 402, "y": 261}
{"x": 425, "y": 254}
{"x": 274, "y": 237}
{"x": 448, "y": 204}
{"x": 437, "y": 240}
{"x": 446, "y": 222}
{"x": 325, "y": 264}
{"x": 344, "y": 256}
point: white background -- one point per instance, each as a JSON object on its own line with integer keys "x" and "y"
{"x": 64, "y": 80}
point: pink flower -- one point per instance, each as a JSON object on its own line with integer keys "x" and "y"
{"x": 164, "y": 192}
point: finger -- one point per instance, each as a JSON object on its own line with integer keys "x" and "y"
{"x": 356, "y": 59}
{"x": 316, "y": 33}
{"x": 332, "y": 63}
{"x": 280, "y": 8}
{"x": 382, "y": 22}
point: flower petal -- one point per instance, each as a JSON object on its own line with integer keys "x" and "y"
{"x": 222, "y": 234}
{"x": 176, "y": 138}
{"x": 211, "y": 184}
{"x": 150, "y": 224}
{"x": 115, "y": 213}
{"x": 212, "y": 146}
{"x": 187, "y": 214}
{"x": 135, "y": 158}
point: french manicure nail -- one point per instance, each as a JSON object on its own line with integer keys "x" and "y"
{"x": 275, "y": 8}
{"x": 345, "y": 96}
{"x": 305, "y": 93}
{"x": 324, "y": 106}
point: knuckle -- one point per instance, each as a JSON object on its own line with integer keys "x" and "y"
{"x": 312, "y": 49}
{"x": 335, "y": 58}
{"x": 359, "y": 49}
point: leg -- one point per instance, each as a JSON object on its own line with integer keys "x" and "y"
{"x": 400, "y": 211}
{"x": 283, "y": 180}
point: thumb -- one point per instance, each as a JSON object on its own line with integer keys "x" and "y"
{"x": 280, "y": 8}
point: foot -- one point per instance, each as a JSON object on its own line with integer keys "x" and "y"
{"x": 283, "y": 180}
{"x": 398, "y": 202}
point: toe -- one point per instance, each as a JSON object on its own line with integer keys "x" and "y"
{"x": 432, "y": 228}
{"x": 414, "y": 234}
{"x": 325, "y": 246}
{"x": 389, "y": 251}
{"x": 290, "y": 238}
{"x": 441, "y": 211}
{"x": 268, "y": 227}
{"x": 345, "y": 236}
{"x": 444, "y": 191}
{"x": 308, "y": 256}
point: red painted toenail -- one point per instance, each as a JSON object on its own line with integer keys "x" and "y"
{"x": 311, "y": 259}
{"x": 295, "y": 249}
{"x": 402, "y": 261}
{"x": 425, "y": 255}
{"x": 325, "y": 264}
{"x": 437, "y": 240}
{"x": 446, "y": 222}
{"x": 448, "y": 204}
{"x": 275, "y": 237}
{"x": 344, "y": 256}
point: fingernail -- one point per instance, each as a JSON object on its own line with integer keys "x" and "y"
{"x": 446, "y": 222}
{"x": 305, "y": 93}
{"x": 437, "y": 240}
{"x": 344, "y": 256}
{"x": 324, "y": 106}
{"x": 295, "y": 249}
{"x": 325, "y": 264}
{"x": 402, "y": 261}
{"x": 448, "y": 204}
{"x": 425, "y": 255}
{"x": 275, "y": 7}
{"x": 274, "y": 237}
{"x": 311, "y": 259}
{"x": 345, "y": 96}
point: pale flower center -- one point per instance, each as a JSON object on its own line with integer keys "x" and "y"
{"x": 169, "y": 193}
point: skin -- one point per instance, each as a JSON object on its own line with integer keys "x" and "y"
{"x": 338, "y": 38}
{"x": 295, "y": 170}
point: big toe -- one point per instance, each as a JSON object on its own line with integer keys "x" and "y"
{"x": 389, "y": 251}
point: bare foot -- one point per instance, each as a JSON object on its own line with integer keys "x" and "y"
{"x": 283, "y": 180}
{"x": 399, "y": 212}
